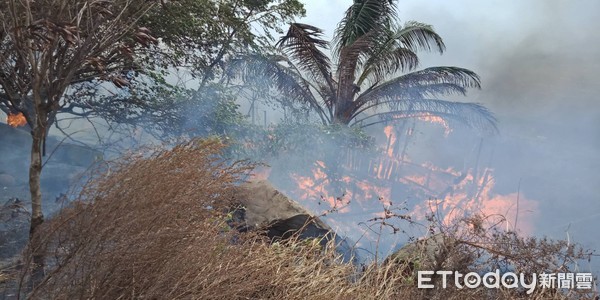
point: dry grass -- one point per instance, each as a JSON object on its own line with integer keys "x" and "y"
{"x": 154, "y": 227}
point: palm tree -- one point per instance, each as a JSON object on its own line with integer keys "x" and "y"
{"x": 360, "y": 86}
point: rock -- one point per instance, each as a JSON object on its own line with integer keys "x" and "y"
{"x": 426, "y": 253}
{"x": 264, "y": 207}
{"x": 264, "y": 204}
{"x": 285, "y": 228}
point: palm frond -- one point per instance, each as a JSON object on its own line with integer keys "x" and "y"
{"x": 418, "y": 36}
{"x": 473, "y": 115}
{"x": 386, "y": 61}
{"x": 303, "y": 43}
{"x": 396, "y": 49}
{"x": 270, "y": 71}
{"x": 411, "y": 94}
{"x": 417, "y": 92}
{"x": 427, "y": 82}
{"x": 362, "y": 17}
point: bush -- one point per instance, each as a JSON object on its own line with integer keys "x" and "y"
{"x": 154, "y": 226}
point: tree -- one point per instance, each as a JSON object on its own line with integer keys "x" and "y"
{"x": 201, "y": 35}
{"x": 197, "y": 38}
{"x": 48, "y": 46}
{"x": 369, "y": 48}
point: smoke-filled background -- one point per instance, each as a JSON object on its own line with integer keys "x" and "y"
{"x": 539, "y": 62}
{"x": 442, "y": 175}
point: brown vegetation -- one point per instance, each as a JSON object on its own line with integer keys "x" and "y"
{"x": 154, "y": 226}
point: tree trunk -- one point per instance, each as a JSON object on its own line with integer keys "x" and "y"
{"x": 37, "y": 217}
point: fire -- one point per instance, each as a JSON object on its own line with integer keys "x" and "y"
{"x": 367, "y": 183}
{"x": 16, "y": 120}
{"x": 391, "y": 137}
{"x": 427, "y": 117}
{"x": 435, "y": 119}
{"x": 320, "y": 189}
{"x": 475, "y": 196}
{"x": 313, "y": 190}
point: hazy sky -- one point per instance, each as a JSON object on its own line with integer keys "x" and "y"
{"x": 540, "y": 64}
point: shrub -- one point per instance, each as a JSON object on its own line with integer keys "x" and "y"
{"x": 154, "y": 226}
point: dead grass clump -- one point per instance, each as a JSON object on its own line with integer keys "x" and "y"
{"x": 153, "y": 227}
{"x": 478, "y": 244}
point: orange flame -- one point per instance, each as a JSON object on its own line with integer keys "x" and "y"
{"x": 318, "y": 187}
{"x": 424, "y": 116}
{"x": 457, "y": 194}
{"x": 389, "y": 133}
{"x": 435, "y": 119}
{"x": 16, "y": 120}
{"x": 475, "y": 196}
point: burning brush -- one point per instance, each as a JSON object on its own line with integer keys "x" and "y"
{"x": 16, "y": 120}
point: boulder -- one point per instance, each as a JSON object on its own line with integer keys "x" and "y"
{"x": 426, "y": 254}
{"x": 266, "y": 208}
{"x": 306, "y": 225}
{"x": 264, "y": 204}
